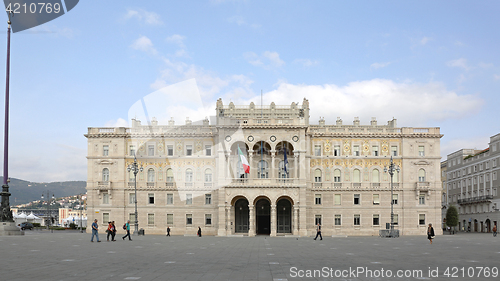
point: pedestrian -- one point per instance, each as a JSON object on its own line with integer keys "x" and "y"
{"x": 199, "y": 231}
{"x": 168, "y": 231}
{"x": 494, "y": 231}
{"x": 430, "y": 232}
{"x": 127, "y": 228}
{"x": 318, "y": 232}
{"x": 109, "y": 231}
{"x": 95, "y": 232}
{"x": 113, "y": 231}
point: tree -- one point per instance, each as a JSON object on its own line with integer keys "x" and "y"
{"x": 452, "y": 216}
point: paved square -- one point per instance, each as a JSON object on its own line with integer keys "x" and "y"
{"x": 41, "y": 255}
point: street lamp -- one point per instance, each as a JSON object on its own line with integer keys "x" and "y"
{"x": 391, "y": 169}
{"x": 48, "y": 207}
{"x": 135, "y": 169}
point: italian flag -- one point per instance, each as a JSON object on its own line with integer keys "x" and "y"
{"x": 244, "y": 161}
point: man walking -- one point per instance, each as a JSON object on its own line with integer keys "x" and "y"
{"x": 127, "y": 226}
{"x": 318, "y": 232}
{"x": 95, "y": 227}
{"x": 168, "y": 231}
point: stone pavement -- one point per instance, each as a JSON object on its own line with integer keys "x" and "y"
{"x": 66, "y": 255}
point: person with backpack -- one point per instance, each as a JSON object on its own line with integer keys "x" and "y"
{"x": 127, "y": 228}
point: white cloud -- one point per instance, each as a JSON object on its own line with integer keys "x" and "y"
{"x": 267, "y": 60}
{"x": 177, "y": 39}
{"x": 150, "y": 18}
{"x": 240, "y": 21}
{"x": 120, "y": 122}
{"x": 460, "y": 63}
{"x": 378, "y": 65}
{"x": 274, "y": 57}
{"x": 144, "y": 44}
{"x": 306, "y": 62}
{"x": 424, "y": 40}
{"x": 485, "y": 65}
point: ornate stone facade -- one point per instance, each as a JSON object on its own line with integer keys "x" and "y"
{"x": 334, "y": 174}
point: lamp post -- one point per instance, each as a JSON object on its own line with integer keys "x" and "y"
{"x": 80, "y": 201}
{"x": 135, "y": 169}
{"x": 48, "y": 207}
{"x": 391, "y": 169}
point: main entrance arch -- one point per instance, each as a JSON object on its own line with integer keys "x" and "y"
{"x": 284, "y": 212}
{"x": 241, "y": 215}
{"x": 263, "y": 216}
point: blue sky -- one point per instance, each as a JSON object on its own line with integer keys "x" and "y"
{"x": 425, "y": 63}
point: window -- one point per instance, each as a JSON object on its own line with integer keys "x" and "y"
{"x": 170, "y": 175}
{"x": 317, "y": 150}
{"x": 189, "y": 150}
{"x": 151, "y": 175}
{"x": 189, "y": 199}
{"x": 208, "y": 199}
{"x": 495, "y": 176}
{"x": 494, "y": 163}
{"x": 208, "y": 150}
{"x": 189, "y": 175}
{"x": 395, "y": 199}
{"x": 317, "y": 200}
{"x": 356, "y": 176}
{"x": 208, "y": 175}
{"x": 395, "y": 219}
{"x": 356, "y": 199}
{"x": 317, "y": 219}
{"x": 105, "y": 150}
{"x": 375, "y": 150}
{"x": 131, "y": 198}
{"x": 421, "y": 199}
{"x": 105, "y": 198}
{"x": 189, "y": 219}
{"x": 355, "y": 150}
{"x": 336, "y": 150}
{"x": 394, "y": 150}
{"x": 338, "y": 219}
{"x": 421, "y": 219}
{"x": 151, "y": 219}
{"x": 263, "y": 172}
{"x": 131, "y": 217}
{"x": 357, "y": 219}
{"x": 105, "y": 174}
{"x": 376, "y": 220}
{"x": 338, "y": 199}
{"x": 170, "y": 219}
{"x": 487, "y": 164}
{"x": 170, "y": 199}
{"x": 376, "y": 199}
{"x": 317, "y": 175}
{"x": 375, "y": 176}
{"x": 105, "y": 217}
{"x": 132, "y": 150}
{"x": 336, "y": 175}
{"x": 421, "y": 151}
{"x": 151, "y": 198}
{"x": 208, "y": 219}
{"x": 170, "y": 150}
{"x": 421, "y": 175}
{"x": 151, "y": 150}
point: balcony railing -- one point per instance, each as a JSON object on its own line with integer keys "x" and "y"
{"x": 477, "y": 199}
{"x": 150, "y": 184}
{"x": 102, "y": 185}
{"x": 170, "y": 184}
{"x": 422, "y": 185}
{"x": 267, "y": 182}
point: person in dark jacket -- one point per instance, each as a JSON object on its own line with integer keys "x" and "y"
{"x": 168, "y": 231}
{"x": 318, "y": 232}
{"x": 199, "y": 231}
{"x": 430, "y": 232}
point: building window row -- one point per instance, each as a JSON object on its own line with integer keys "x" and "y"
{"x": 357, "y": 220}
{"x": 357, "y": 199}
{"x": 356, "y": 175}
{"x": 355, "y": 150}
{"x": 151, "y": 150}
{"x": 170, "y": 198}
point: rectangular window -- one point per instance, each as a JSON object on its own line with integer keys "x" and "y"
{"x": 317, "y": 150}
{"x": 317, "y": 200}
{"x": 208, "y": 199}
{"x": 151, "y": 198}
{"x": 338, "y": 199}
{"x": 338, "y": 219}
{"x": 394, "y": 150}
{"x": 131, "y": 198}
{"x": 208, "y": 177}
{"x": 336, "y": 150}
{"x": 356, "y": 199}
{"x": 189, "y": 150}
{"x": 151, "y": 150}
{"x": 189, "y": 219}
{"x": 317, "y": 219}
{"x": 208, "y": 219}
{"x": 105, "y": 150}
{"x": 105, "y": 198}
{"x": 170, "y": 199}
{"x": 421, "y": 199}
{"x": 189, "y": 199}
{"x": 357, "y": 219}
{"x": 355, "y": 150}
{"x": 208, "y": 150}
{"x": 170, "y": 219}
{"x": 151, "y": 219}
{"x": 421, "y": 219}
{"x": 376, "y": 199}
{"x": 374, "y": 150}
{"x": 132, "y": 150}
{"x": 376, "y": 220}
{"x": 494, "y": 163}
{"x": 421, "y": 151}
{"x": 105, "y": 217}
{"x": 131, "y": 217}
{"x": 495, "y": 176}
{"x": 395, "y": 199}
{"x": 170, "y": 150}
{"x": 395, "y": 219}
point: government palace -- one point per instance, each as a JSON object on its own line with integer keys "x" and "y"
{"x": 301, "y": 175}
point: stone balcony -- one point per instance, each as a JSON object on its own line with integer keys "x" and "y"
{"x": 103, "y": 185}
{"x": 422, "y": 186}
{"x": 474, "y": 200}
{"x": 275, "y": 182}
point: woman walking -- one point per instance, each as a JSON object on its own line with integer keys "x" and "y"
{"x": 113, "y": 231}
{"x": 430, "y": 232}
{"x": 109, "y": 231}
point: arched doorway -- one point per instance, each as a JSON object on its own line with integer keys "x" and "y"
{"x": 488, "y": 225}
{"x": 263, "y": 216}
{"x": 241, "y": 215}
{"x": 475, "y": 225}
{"x": 284, "y": 212}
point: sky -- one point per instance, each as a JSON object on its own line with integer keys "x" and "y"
{"x": 425, "y": 63}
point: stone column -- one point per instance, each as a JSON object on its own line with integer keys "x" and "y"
{"x": 251, "y": 175}
{"x": 295, "y": 164}
{"x": 273, "y": 172}
{"x": 295, "y": 220}
{"x": 251, "y": 224}
{"x": 273, "y": 220}
{"x": 228, "y": 221}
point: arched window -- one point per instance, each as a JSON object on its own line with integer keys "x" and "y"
{"x": 105, "y": 174}
{"x": 282, "y": 173}
{"x": 336, "y": 175}
{"x": 208, "y": 175}
{"x": 317, "y": 175}
{"x": 151, "y": 175}
{"x": 356, "y": 175}
{"x": 170, "y": 175}
{"x": 263, "y": 172}
{"x": 421, "y": 175}
{"x": 375, "y": 176}
{"x": 189, "y": 175}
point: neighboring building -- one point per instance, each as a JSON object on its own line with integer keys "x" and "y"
{"x": 444, "y": 196}
{"x": 192, "y": 175}
{"x": 65, "y": 213}
{"x": 472, "y": 184}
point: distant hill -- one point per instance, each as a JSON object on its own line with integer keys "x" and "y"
{"x": 25, "y": 191}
